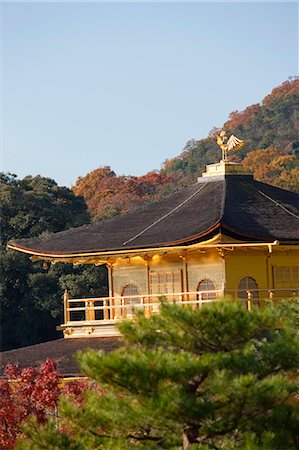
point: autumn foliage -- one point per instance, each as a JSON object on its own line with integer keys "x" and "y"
{"x": 31, "y": 392}
{"x": 107, "y": 194}
{"x": 271, "y": 133}
{"x": 272, "y": 123}
{"x": 272, "y": 167}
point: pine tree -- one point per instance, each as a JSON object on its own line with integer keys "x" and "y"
{"x": 218, "y": 377}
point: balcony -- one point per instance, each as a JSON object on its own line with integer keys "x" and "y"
{"x": 98, "y": 317}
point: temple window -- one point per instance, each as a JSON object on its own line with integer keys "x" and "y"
{"x": 165, "y": 282}
{"x": 248, "y": 284}
{"x": 286, "y": 276}
{"x": 206, "y": 285}
{"x": 130, "y": 291}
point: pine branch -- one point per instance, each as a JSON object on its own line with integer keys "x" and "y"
{"x": 145, "y": 438}
{"x": 196, "y": 381}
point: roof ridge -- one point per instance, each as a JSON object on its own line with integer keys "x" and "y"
{"x": 275, "y": 188}
{"x": 166, "y": 215}
{"x": 277, "y": 203}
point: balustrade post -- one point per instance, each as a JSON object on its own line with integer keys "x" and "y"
{"x": 86, "y": 311}
{"x": 143, "y": 308}
{"x": 91, "y": 311}
{"x": 123, "y": 308}
{"x": 106, "y": 311}
{"x": 156, "y": 305}
{"x": 199, "y": 295}
{"x": 146, "y": 309}
{"x": 249, "y": 300}
{"x": 67, "y": 315}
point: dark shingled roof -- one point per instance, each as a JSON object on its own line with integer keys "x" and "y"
{"x": 61, "y": 350}
{"x": 234, "y": 204}
{"x": 259, "y": 211}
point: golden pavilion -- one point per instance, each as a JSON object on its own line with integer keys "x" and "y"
{"x": 226, "y": 235}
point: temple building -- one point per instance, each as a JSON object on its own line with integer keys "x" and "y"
{"x": 226, "y": 235}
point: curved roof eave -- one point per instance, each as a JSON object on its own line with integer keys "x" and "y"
{"x": 176, "y": 245}
{"x": 238, "y": 206}
{"x": 234, "y": 233}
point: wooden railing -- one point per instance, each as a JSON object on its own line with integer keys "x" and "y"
{"x": 112, "y": 309}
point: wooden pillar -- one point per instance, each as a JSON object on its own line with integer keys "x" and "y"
{"x": 147, "y": 309}
{"x": 183, "y": 257}
{"x": 249, "y": 300}
{"x": 111, "y": 292}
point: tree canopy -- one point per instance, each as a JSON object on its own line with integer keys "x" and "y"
{"x": 35, "y": 205}
{"x": 272, "y": 124}
{"x": 271, "y": 151}
{"x": 107, "y": 194}
{"x": 270, "y": 166}
{"x": 31, "y": 392}
{"x": 218, "y": 377}
{"x": 31, "y": 296}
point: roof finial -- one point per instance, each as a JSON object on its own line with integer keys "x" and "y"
{"x": 233, "y": 143}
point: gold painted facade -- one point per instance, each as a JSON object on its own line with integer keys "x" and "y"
{"x": 224, "y": 266}
{"x": 177, "y": 275}
{"x": 218, "y": 267}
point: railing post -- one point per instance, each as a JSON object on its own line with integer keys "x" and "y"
{"x": 143, "y": 308}
{"x": 106, "y": 311}
{"x": 199, "y": 294}
{"x": 146, "y": 309}
{"x": 249, "y": 300}
{"x": 223, "y": 291}
{"x": 123, "y": 310}
{"x": 91, "y": 311}
{"x": 86, "y": 310}
{"x": 156, "y": 305}
{"x": 67, "y": 314}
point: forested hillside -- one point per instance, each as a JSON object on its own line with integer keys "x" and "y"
{"x": 271, "y": 133}
{"x": 272, "y": 124}
{"x": 107, "y": 194}
{"x": 31, "y": 293}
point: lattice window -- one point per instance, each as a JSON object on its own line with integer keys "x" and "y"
{"x": 206, "y": 285}
{"x": 129, "y": 291}
{"x": 165, "y": 282}
{"x": 286, "y": 276}
{"x": 248, "y": 284}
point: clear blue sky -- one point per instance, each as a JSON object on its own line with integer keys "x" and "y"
{"x": 127, "y": 84}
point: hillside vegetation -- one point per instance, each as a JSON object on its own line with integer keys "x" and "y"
{"x": 31, "y": 293}
{"x": 213, "y": 378}
{"x": 271, "y": 133}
